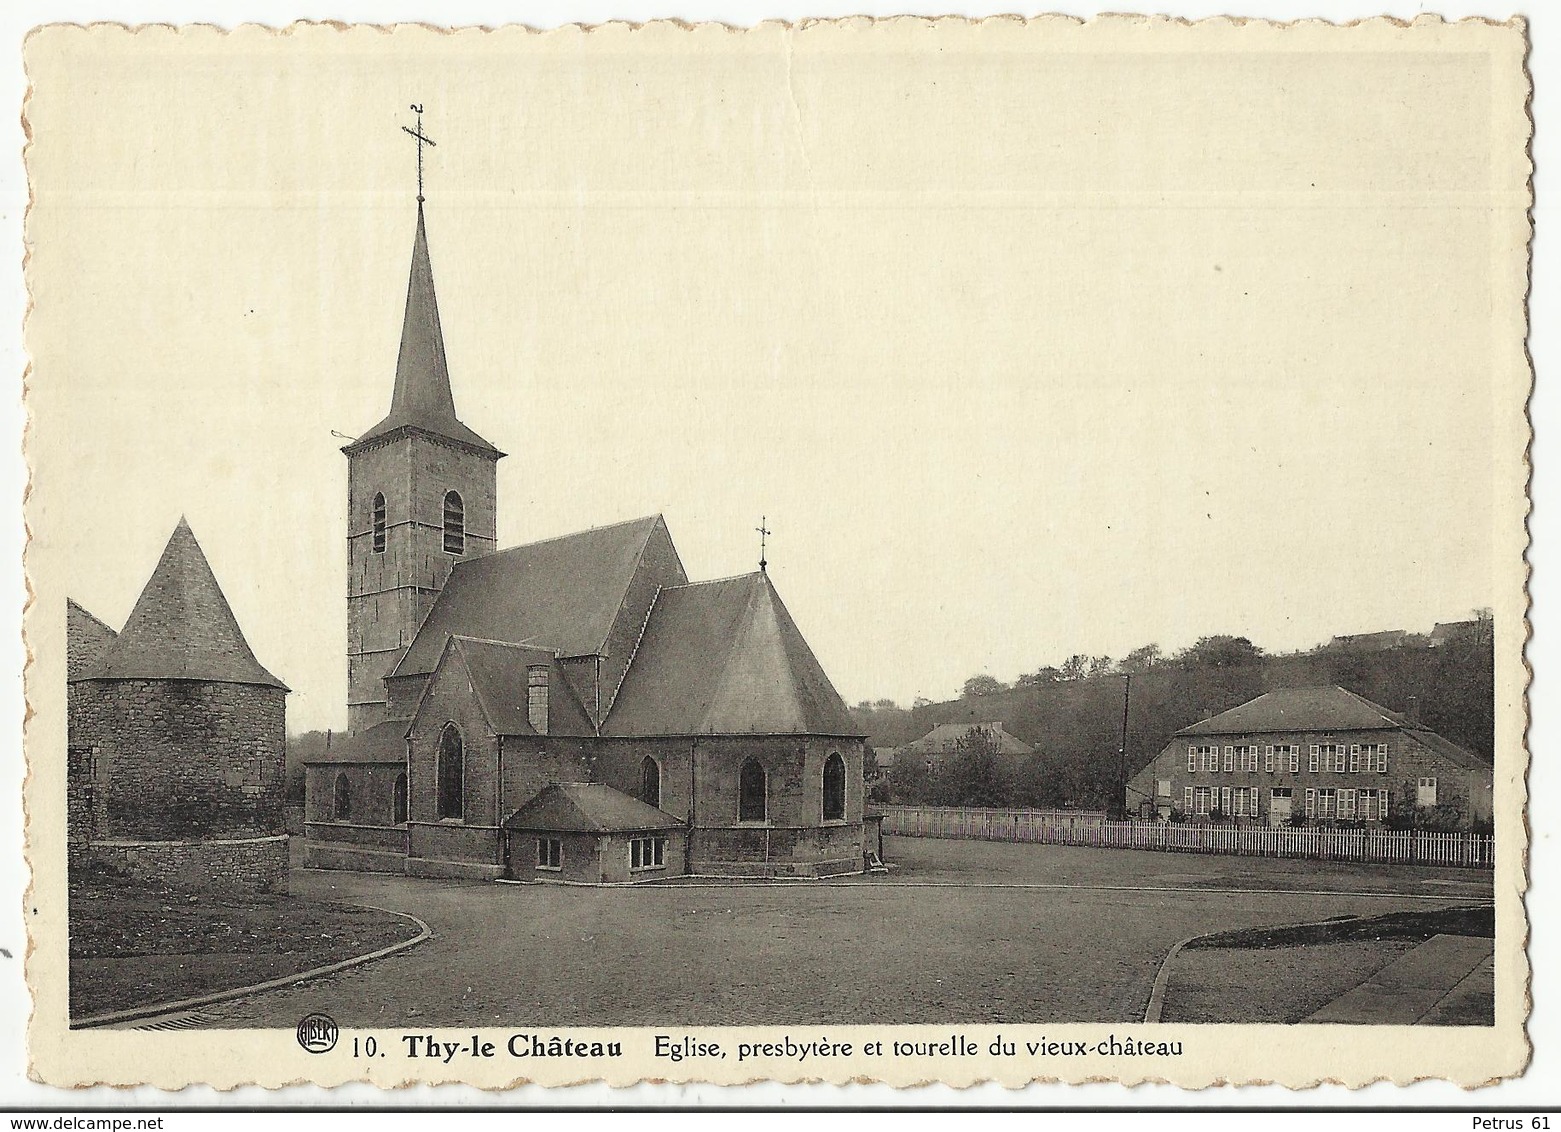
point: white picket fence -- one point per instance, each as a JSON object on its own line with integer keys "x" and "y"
{"x": 1071, "y": 827}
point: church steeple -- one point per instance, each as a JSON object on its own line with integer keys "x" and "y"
{"x": 422, "y": 397}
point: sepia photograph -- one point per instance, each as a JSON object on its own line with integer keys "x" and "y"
{"x": 900, "y": 549}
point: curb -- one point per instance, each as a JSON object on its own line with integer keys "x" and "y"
{"x": 138, "y": 1012}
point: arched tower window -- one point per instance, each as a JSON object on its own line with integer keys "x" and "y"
{"x": 454, "y": 523}
{"x": 452, "y": 772}
{"x": 650, "y": 782}
{"x": 379, "y": 523}
{"x": 398, "y": 805}
{"x": 834, "y": 787}
{"x": 341, "y": 800}
{"x": 750, "y": 792}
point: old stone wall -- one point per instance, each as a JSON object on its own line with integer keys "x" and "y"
{"x": 241, "y": 865}
{"x": 178, "y": 759}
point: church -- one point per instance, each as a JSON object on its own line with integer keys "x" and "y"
{"x": 573, "y": 709}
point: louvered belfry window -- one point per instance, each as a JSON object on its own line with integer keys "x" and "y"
{"x": 379, "y": 524}
{"x": 454, "y": 523}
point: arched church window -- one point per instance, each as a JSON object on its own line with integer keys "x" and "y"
{"x": 750, "y": 792}
{"x": 650, "y": 782}
{"x": 454, "y": 523}
{"x": 834, "y": 787}
{"x": 452, "y": 772}
{"x": 341, "y": 801}
{"x": 398, "y": 803}
{"x": 379, "y": 523}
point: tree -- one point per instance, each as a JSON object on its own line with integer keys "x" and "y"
{"x": 1221, "y": 651}
{"x": 920, "y": 702}
{"x": 970, "y": 776}
{"x": 983, "y": 685}
{"x": 1075, "y": 666}
{"x": 1100, "y": 666}
{"x": 1141, "y": 659}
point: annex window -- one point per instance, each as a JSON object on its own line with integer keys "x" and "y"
{"x": 1379, "y": 759}
{"x": 1425, "y": 792}
{"x": 750, "y": 792}
{"x": 452, "y": 772}
{"x": 648, "y": 853}
{"x": 398, "y": 801}
{"x": 341, "y": 798}
{"x": 379, "y": 523}
{"x": 550, "y": 853}
{"x": 834, "y": 787}
{"x": 454, "y": 523}
{"x": 650, "y": 782}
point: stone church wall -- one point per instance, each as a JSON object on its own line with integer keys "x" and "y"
{"x": 181, "y": 759}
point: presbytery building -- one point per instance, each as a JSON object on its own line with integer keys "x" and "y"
{"x": 571, "y": 709}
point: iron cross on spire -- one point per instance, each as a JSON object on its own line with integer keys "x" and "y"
{"x": 422, "y": 140}
{"x": 764, "y": 533}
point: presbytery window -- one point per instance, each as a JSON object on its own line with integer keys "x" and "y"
{"x": 341, "y": 801}
{"x": 454, "y": 523}
{"x": 452, "y": 772}
{"x": 750, "y": 792}
{"x": 650, "y": 782}
{"x": 399, "y": 802}
{"x": 834, "y": 787}
{"x": 647, "y": 853}
{"x": 379, "y": 523}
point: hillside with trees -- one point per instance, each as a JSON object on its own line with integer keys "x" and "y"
{"x": 1072, "y": 713}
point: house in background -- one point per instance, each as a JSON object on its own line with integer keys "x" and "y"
{"x": 1324, "y": 753}
{"x": 943, "y": 740}
{"x": 1369, "y": 642}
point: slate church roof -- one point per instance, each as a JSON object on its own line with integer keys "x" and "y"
{"x": 725, "y": 658}
{"x": 422, "y": 399}
{"x": 182, "y": 627}
{"x": 87, "y": 638}
{"x": 562, "y": 594}
{"x": 587, "y": 807}
{"x": 498, "y": 674}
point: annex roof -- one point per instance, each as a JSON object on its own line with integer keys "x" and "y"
{"x": 383, "y": 743}
{"x": 87, "y": 638}
{"x": 182, "y": 627}
{"x": 422, "y": 399}
{"x": 561, "y": 594}
{"x": 725, "y": 658}
{"x": 499, "y": 673}
{"x": 587, "y": 807}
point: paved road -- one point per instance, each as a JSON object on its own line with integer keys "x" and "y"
{"x": 880, "y": 950}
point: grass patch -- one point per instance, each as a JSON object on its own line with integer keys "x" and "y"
{"x": 1416, "y": 926}
{"x": 133, "y": 944}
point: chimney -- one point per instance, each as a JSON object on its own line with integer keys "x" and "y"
{"x": 1412, "y": 711}
{"x": 536, "y": 697}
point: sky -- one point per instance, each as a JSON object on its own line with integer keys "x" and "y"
{"x": 1018, "y": 354}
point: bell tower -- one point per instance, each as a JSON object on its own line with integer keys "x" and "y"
{"x": 421, "y": 496}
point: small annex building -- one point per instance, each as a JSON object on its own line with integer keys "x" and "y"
{"x": 946, "y": 738}
{"x": 659, "y": 726}
{"x": 1321, "y": 754}
{"x": 175, "y": 737}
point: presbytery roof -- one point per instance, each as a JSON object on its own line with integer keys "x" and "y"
{"x": 587, "y": 807}
{"x": 182, "y": 627}
{"x": 725, "y": 658}
{"x": 422, "y": 399}
{"x": 562, "y": 594}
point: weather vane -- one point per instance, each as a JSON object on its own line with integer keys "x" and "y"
{"x": 422, "y": 140}
{"x": 764, "y": 533}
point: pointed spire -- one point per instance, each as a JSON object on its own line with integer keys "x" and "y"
{"x": 182, "y": 627}
{"x": 422, "y": 398}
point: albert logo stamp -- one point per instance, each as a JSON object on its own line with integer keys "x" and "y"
{"x": 317, "y": 1033}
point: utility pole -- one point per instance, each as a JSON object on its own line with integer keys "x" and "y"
{"x": 1127, "y": 696}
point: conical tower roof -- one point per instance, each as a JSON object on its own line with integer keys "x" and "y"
{"x": 422, "y": 398}
{"x": 182, "y": 627}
